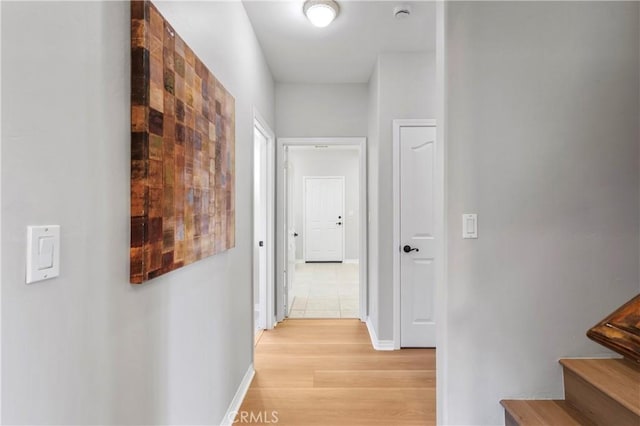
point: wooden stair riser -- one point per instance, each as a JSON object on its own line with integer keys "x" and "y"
{"x": 594, "y": 404}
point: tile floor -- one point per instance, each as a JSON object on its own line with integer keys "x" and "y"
{"x": 325, "y": 290}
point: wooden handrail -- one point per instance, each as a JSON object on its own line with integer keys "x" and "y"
{"x": 620, "y": 331}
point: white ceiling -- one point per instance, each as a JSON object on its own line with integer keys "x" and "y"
{"x": 346, "y": 50}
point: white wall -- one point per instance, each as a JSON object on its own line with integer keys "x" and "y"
{"x": 328, "y": 162}
{"x": 319, "y": 110}
{"x": 543, "y": 144}
{"x": 88, "y": 347}
{"x": 402, "y": 86}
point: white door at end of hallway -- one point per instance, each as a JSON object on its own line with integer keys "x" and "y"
{"x": 417, "y": 235}
{"x": 324, "y": 219}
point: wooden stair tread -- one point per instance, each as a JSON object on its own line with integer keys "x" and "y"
{"x": 544, "y": 413}
{"x": 619, "y": 379}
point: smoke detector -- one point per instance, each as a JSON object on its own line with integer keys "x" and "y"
{"x": 402, "y": 11}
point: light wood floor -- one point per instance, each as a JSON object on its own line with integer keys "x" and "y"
{"x": 325, "y": 372}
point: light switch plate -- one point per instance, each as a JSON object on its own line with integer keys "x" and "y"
{"x": 43, "y": 252}
{"x": 469, "y": 225}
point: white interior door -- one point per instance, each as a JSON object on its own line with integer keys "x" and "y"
{"x": 260, "y": 229}
{"x": 324, "y": 219}
{"x": 417, "y": 236}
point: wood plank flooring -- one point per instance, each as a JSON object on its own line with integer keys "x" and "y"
{"x": 325, "y": 372}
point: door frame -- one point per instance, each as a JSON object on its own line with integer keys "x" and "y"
{"x": 261, "y": 125}
{"x": 281, "y": 225}
{"x": 304, "y": 212}
{"x": 442, "y": 133}
{"x": 439, "y": 218}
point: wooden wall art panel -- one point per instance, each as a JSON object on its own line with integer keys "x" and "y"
{"x": 182, "y": 152}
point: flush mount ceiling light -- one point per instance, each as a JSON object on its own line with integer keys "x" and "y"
{"x": 321, "y": 12}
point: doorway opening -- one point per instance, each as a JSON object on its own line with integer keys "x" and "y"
{"x": 324, "y": 228}
{"x": 263, "y": 225}
{"x": 324, "y": 204}
{"x": 318, "y": 92}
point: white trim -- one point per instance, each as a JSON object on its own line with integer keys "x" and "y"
{"x": 304, "y": 213}
{"x": 361, "y": 144}
{"x": 287, "y": 207}
{"x": 397, "y": 125}
{"x": 263, "y": 127}
{"x": 378, "y": 345}
{"x": 236, "y": 402}
{"x": 442, "y": 390}
{"x": 309, "y": 142}
{"x": 299, "y": 261}
{"x": 0, "y": 233}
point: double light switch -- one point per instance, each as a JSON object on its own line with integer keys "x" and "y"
{"x": 43, "y": 252}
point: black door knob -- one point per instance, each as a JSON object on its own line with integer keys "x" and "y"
{"x": 261, "y": 243}
{"x": 409, "y": 249}
{"x": 295, "y": 234}
{"x": 339, "y": 223}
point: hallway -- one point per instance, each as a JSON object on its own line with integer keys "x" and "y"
{"x": 325, "y": 372}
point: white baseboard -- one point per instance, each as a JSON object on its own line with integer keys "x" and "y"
{"x": 352, "y": 261}
{"x": 379, "y": 345}
{"x": 236, "y": 402}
